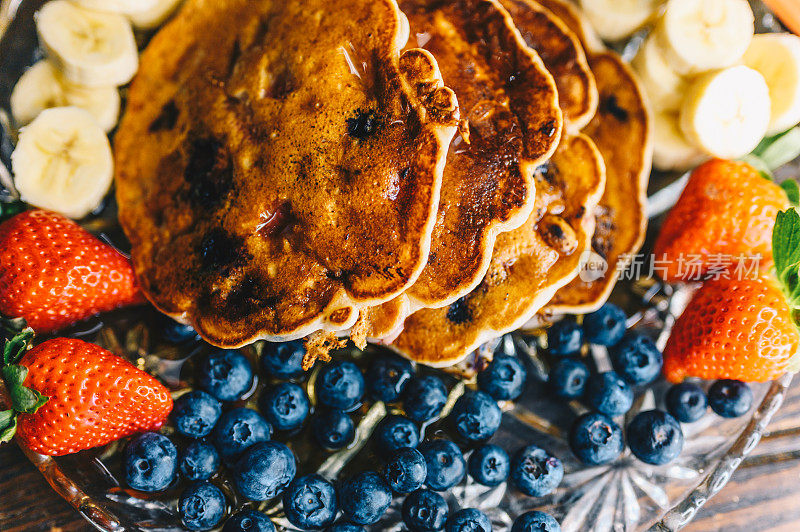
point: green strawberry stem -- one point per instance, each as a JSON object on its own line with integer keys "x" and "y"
{"x": 24, "y": 400}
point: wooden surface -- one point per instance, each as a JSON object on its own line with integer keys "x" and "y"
{"x": 763, "y": 494}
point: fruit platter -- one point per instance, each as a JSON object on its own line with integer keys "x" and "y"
{"x": 460, "y": 265}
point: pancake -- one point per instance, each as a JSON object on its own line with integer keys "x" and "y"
{"x": 528, "y": 264}
{"x": 571, "y": 15}
{"x": 563, "y": 55}
{"x": 621, "y": 131}
{"x": 509, "y": 103}
{"x": 279, "y": 165}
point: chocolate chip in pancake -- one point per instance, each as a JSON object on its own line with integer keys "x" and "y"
{"x": 563, "y": 55}
{"x": 279, "y": 164}
{"x": 528, "y": 265}
{"x": 512, "y": 123}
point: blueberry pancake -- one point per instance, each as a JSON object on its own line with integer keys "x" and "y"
{"x": 528, "y": 264}
{"x": 512, "y": 123}
{"x": 280, "y": 163}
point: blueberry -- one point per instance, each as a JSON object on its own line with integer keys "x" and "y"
{"x": 283, "y": 360}
{"x": 609, "y": 394}
{"x": 387, "y": 377}
{"x": 504, "y": 378}
{"x": 151, "y": 462}
{"x": 605, "y": 326}
{"x": 365, "y": 498}
{"x": 489, "y": 465}
{"x": 565, "y": 337}
{"x": 175, "y": 332}
{"x": 195, "y": 414}
{"x": 424, "y": 398}
{"x": 476, "y": 416}
{"x": 687, "y": 402}
{"x": 535, "y": 472}
{"x": 310, "y": 502}
{"x": 285, "y": 406}
{"x": 595, "y": 439}
{"x": 655, "y": 437}
{"x": 535, "y": 522}
{"x": 227, "y": 375}
{"x": 446, "y": 465}
{"x": 395, "y": 432}
{"x": 468, "y": 520}
{"x": 264, "y": 471}
{"x": 340, "y": 384}
{"x": 345, "y": 527}
{"x": 406, "y": 471}
{"x": 199, "y": 461}
{"x": 730, "y": 398}
{"x": 637, "y": 359}
{"x": 568, "y": 378}
{"x": 248, "y": 521}
{"x": 239, "y": 429}
{"x": 333, "y": 429}
{"x": 201, "y": 506}
{"x": 424, "y": 510}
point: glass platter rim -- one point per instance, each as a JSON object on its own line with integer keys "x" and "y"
{"x": 677, "y": 516}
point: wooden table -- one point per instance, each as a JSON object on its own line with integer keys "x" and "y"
{"x": 763, "y": 494}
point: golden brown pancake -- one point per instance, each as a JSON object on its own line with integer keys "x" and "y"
{"x": 279, "y": 164}
{"x": 571, "y": 15}
{"x": 621, "y": 131}
{"x": 562, "y": 54}
{"x": 512, "y": 123}
{"x": 528, "y": 265}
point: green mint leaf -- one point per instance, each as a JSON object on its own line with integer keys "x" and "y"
{"x": 17, "y": 346}
{"x": 6, "y": 418}
{"x": 7, "y": 432}
{"x": 792, "y": 190}
{"x": 786, "y": 254}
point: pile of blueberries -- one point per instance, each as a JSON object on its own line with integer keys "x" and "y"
{"x": 653, "y": 436}
{"x": 229, "y": 446}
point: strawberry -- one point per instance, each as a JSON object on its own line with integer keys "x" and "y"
{"x": 743, "y": 328}
{"x": 726, "y": 210}
{"x": 53, "y": 273}
{"x": 69, "y": 395}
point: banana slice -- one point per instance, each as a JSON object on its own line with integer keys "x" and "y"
{"x": 153, "y": 17}
{"x": 63, "y": 162}
{"x": 671, "y": 149}
{"x": 703, "y": 35}
{"x": 42, "y": 86}
{"x": 726, "y": 112}
{"x": 123, "y": 7}
{"x": 616, "y": 19}
{"x": 776, "y": 56}
{"x": 90, "y": 48}
{"x": 664, "y": 86}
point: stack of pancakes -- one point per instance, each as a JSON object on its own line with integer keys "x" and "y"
{"x": 430, "y": 174}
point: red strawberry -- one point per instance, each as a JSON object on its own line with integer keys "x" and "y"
{"x": 53, "y": 273}
{"x": 73, "y": 395}
{"x": 743, "y": 328}
{"x": 726, "y": 211}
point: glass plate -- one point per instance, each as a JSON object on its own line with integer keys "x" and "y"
{"x": 624, "y": 496}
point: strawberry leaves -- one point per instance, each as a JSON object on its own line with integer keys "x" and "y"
{"x": 786, "y": 254}
{"x": 24, "y": 400}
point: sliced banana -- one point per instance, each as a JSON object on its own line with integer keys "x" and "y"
{"x": 153, "y": 17}
{"x": 726, "y": 112}
{"x": 664, "y": 86}
{"x": 90, "y": 48}
{"x": 776, "y": 56}
{"x": 123, "y": 7}
{"x": 616, "y": 19}
{"x": 671, "y": 149}
{"x": 703, "y": 35}
{"x": 63, "y": 162}
{"x": 42, "y": 86}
